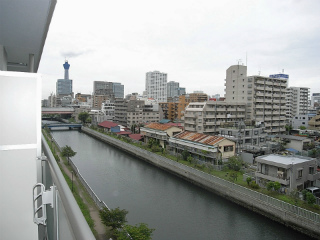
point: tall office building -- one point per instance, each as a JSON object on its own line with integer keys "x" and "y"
{"x": 64, "y": 86}
{"x": 111, "y": 89}
{"x": 265, "y": 97}
{"x": 156, "y": 86}
{"x": 118, "y": 90}
{"x": 174, "y": 90}
{"x": 297, "y": 101}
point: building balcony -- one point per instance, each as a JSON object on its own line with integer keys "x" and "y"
{"x": 282, "y": 181}
{"x": 313, "y": 177}
{"x": 212, "y": 123}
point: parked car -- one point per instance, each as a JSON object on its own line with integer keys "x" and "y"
{"x": 314, "y": 190}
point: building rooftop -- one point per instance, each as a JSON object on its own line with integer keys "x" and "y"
{"x": 285, "y": 160}
{"x": 158, "y": 126}
{"x": 107, "y": 124}
{"x": 199, "y": 137}
{"x": 291, "y": 137}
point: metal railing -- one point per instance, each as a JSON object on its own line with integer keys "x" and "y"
{"x": 78, "y": 227}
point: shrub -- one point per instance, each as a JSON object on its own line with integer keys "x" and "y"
{"x": 276, "y": 186}
{"x": 270, "y": 186}
{"x": 254, "y": 185}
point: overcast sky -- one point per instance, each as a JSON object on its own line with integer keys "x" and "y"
{"x": 194, "y": 42}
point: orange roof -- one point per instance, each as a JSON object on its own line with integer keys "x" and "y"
{"x": 158, "y": 126}
{"x": 199, "y": 137}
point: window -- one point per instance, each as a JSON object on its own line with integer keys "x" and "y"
{"x": 311, "y": 170}
{"x": 256, "y": 132}
{"x": 228, "y": 148}
{"x": 300, "y": 173}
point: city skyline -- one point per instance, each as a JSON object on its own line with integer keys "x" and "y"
{"x": 193, "y": 43}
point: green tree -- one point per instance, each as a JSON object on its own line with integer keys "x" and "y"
{"x": 137, "y": 232}
{"x": 113, "y": 218}
{"x": 133, "y": 128}
{"x": 83, "y": 116}
{"x": 185, "y": 154}
{"x": 310, "y": 198}
{"x": 302, "y": 128}
{"x": 67, "y": 152}
{"x": 288, "y": 128}
{"x": 235, "y": 163}
{"x": 249, "y": 179}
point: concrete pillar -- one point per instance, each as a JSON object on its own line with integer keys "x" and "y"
{"x": 31, "y": 63}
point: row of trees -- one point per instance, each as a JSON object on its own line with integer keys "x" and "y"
{"x": 116, "y": 219}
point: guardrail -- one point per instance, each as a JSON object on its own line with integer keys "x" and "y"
{"x": 78, "y": 225}
{"x": 210, "y": 178}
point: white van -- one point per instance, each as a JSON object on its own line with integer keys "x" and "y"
{"x": 314, "y": 190}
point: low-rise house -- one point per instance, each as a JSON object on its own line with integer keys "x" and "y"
{"x": 202, "y": 146}
{"x": 295, "y": 142}
{"x": 136, "y": 137}
{"x": 292, "y": 172}
{"x": 159, "y": 132}
{"x": 109, "y": 126}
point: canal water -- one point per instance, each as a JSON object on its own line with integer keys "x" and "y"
{"x": 176, "y": 209}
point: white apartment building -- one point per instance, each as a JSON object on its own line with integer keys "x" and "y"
{"x": 156, "y": 85}
{"x": 207, "y": 117}
{"x": 297, "y": 101}
{"x": 265, "y": 97}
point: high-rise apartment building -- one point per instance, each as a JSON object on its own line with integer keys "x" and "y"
{"x": 297, "y": 101}
{"x": 156, "y": 85}
{"x": 64, "y": 86}
{"x": 265, "y": 97}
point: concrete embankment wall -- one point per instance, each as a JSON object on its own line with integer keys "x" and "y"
{"x": 300, "y": 219}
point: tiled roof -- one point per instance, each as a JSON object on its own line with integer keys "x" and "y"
{"x": 199, "y": 137}
{"x": 158, "y": 126}
{"x": 108, "y": 124}
{"x": 135, "y": 136}
{"x": 123, "y": 133}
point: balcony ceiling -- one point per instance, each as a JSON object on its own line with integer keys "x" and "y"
{"x": 23, "y": 30}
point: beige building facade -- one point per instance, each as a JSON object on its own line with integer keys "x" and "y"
{"x": 207, "y": 117}
{"x": 265, "y": 97}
